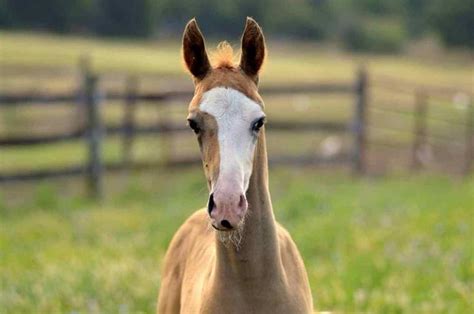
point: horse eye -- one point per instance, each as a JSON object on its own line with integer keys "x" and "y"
{"x": 194, "y": 126}
{"x": 258, "y": 124}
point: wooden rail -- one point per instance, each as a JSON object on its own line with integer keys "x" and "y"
{"x": 39, "y": 140}
{"x": 128, "y": 131}
{"x": 38, "y": 99}
{"x": 81, "y": 170}
{"x": 93, "y": 130}
{"x": 88, "y": 100}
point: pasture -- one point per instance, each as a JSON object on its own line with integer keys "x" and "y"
{"x": 378, "y": 245}
{"x": 393, "y": 244}
{"x": 47, "y": 63}
{"x": 298, "y": 61}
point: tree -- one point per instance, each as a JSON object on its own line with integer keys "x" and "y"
{"x": 54, "y": 15}
{"x": 454, "y": 21}
{"x": 125, "y": 18}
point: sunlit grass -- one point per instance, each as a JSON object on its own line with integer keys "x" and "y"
{"x": 399, "y": 244}
{"x": 296, "y": 62}
{"x": 74, "y": 153}
{"x": 371, "y": 245}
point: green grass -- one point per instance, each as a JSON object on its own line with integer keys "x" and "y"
{"x": 397, "y": 245}
{"x": 294, "y": 62}
{"x": 21, "y": 54}
{"x": 387, "y": 245}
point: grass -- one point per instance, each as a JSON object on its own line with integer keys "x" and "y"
{"x": 57, "y": 56}
{"x": 398, "y": 245}
{"x": 297, "y": 62}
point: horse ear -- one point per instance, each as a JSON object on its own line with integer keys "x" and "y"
{"x": 194, "y": 51}
{"x": 253, "y": 49}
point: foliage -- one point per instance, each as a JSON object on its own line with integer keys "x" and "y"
{"x": 305, "y": 62}
{"x": 370, "y": 245}
{"x": 454, "y": 21}
{"x": 305, "y": 19}
{"x": 55, "y": 15}
{"x": 308, "y": 19}
{"x": 375, "y": 37}
{"x": 415, "y": 14}
{"x": 4, "y": 18}
{"x": 125, "y": 18}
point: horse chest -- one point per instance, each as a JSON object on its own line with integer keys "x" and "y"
{"x": 264, "y": 298}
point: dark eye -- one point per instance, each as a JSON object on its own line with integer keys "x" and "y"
{"x": 258, "y": 124}
{"x": 194, "y": 126}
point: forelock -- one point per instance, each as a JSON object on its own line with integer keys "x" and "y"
{"x": 223, "y": 56}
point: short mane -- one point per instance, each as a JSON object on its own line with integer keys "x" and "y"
{"x": 223, "y": 56}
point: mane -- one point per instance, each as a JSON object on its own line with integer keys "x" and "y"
{"x": 223, "y": 56}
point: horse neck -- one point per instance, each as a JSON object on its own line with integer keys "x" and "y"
{"x": 257, "y": 255}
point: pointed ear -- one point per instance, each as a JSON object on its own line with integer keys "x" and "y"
{"x": 194, "y": 51}
{"x": 253, "y": 49}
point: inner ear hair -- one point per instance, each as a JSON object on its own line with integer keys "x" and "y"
{"x": 253, "y": 49}
{"x": 194, "y": 51}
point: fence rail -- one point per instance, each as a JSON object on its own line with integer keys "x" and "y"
{"x": 163, "y": 128}
{"x": 39, "y": 99}
{"x": 39, "y": 140}
{"x": 93, "y": 130}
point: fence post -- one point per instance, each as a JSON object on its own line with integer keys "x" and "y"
{"x": 419, "y": 140}
{"x": 129, "y": 119}
{"x": 85, "y": 70}
{"x": 94, "y": 137}
{"x": 469, "y": 154}
{"x": 167, "y": 148}
{"x": 359, "y": 124}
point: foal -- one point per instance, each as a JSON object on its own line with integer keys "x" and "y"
{"x": 247, "y": 262}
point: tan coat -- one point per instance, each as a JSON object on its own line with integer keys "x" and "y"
{"x": 266, "y": 274}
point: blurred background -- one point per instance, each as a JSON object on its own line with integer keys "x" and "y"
{"x": 370, "y": 137}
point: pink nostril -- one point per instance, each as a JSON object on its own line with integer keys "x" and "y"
{"x": 242, "y": 201}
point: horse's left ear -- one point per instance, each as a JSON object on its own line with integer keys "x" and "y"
{"x": 253, "y": 49}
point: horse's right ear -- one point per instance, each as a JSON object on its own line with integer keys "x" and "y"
{"x": 194, "y": 51}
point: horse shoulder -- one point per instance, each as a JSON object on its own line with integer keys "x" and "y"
{"x": 294, "y": 266}
{"x": 187, "y": 249}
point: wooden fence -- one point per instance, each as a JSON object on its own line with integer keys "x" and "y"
{"x": 91, "y": 99}
{"x": 94, "y": 130}
{"x": 422, "y": 136}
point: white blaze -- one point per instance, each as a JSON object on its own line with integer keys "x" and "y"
{"x": 234, "y": 113}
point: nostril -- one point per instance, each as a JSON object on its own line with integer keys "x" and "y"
{"x": 210, "y": 203}
{"x": 226, "y": 224}
{"x": 242, "y": 201}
